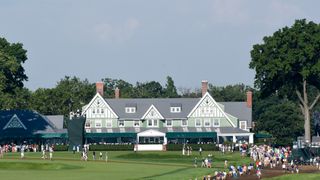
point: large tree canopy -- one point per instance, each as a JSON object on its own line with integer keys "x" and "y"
{"x": 12, "y": 74}
{"x": 289, "y": 61}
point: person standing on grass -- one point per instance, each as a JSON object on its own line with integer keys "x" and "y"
{"x": 100, "y": 155}
{"x": 44, "y": 156}
{"x": 106, "y": 156}
{"x": 195, "y": 162}
{"x": 50, "y": 152}
{"x": 22, "y": 152}
{"x": 94, "y": 155}
{"x": 200, "y": 151}
{"x": 225, "y": 163}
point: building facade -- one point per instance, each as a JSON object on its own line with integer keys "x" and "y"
{"x": 167, "y": 120}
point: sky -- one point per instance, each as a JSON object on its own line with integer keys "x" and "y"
{"x": 143, "y": 40}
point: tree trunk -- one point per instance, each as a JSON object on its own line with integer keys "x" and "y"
{"x": 305, "y": 108}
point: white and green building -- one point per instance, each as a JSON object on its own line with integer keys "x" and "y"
{"x": 167, "y": 120}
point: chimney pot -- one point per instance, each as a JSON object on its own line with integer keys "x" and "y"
{"x": 99, "y": 87}
{"x": 204, "y": 87}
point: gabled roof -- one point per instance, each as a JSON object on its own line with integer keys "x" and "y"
{"x": 207, "y": 94}
{"x": 57, "y": 120}
{"x": 103, "y": 100}
{"x": 239, "y": 110}
{"x": 162, "y": 104}
{"x": 31, "y": 122}
{"x": 236, "y": 109}
{"x": 152, "y": 107}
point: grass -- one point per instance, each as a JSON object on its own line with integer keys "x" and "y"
{"x": 120, "y": 165}
{"x": 315, "y": 176}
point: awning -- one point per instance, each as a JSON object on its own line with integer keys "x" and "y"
{"x": 191, "y": 135}
{"x": 262, "y": 136}
{"x": 110, "y": 135}
{"x": 54, "y": 135}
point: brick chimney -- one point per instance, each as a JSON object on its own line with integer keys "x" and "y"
{"x": 249, "y": 99}
{"x": 99, "y": 87}
{"x": 204, "y": 87}
{"x": 117, "y": 93}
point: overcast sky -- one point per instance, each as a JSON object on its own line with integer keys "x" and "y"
{"x": 143, "y": 40}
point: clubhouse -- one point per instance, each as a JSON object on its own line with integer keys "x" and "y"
{"x": 166, "y": 120}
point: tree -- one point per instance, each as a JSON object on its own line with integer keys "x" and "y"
{"x": 288, "y": 61}
{"x": 70, "y": 94}
{"x": 126, "y": 89}
{"x": 278, "y": 117}
{"x": 12, "y": 74}
{"x": 229, "y": 93}
{"x": 150, "y": 89}
{"x": 170, "y": 90}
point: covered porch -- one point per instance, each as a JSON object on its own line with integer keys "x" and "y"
{"x": 234, "y": 135}
{"x": 151, "y": 140}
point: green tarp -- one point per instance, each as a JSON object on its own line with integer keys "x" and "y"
{"x": 178, "y": 135}
{"x": 260, "y": 135}
{"x": 110, "y": 135}
{"x": 54, "y": 135}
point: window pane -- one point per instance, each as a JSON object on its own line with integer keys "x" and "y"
{"x": 169, "y": 123}
{"x": 184, "y": 122}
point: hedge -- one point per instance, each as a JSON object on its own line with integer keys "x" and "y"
{"x": 106, "y": 147}
{"x": 61, "y": 148}
{"x": 195, "y": 147}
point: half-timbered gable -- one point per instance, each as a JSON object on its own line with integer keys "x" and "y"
{"x": 208, "y": 112}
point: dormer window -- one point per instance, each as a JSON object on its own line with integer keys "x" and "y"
{"x": 175, "y": 109}
{"x": 130, "y": 109}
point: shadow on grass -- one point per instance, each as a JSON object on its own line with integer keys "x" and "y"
{"x": 36, "y": 166}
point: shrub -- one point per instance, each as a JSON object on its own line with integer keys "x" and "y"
{"x": 195, "y": 147}
{"x": 61, "y": 148}
{"x": 109, "y": 147}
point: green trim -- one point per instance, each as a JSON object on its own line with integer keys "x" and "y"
{"x": 261, "y": 136}
{"x": 54, "y": 135}
{"x": 191, "y": 135}
{"x": 110, "y": 135}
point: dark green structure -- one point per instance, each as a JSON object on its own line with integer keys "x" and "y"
{"x": 27, "y": 126}
{"x": 76, "y": 131}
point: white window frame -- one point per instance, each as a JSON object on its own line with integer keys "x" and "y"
{"x": 205, "y": 121}
{"x": 245, "y": 125}
{"x": 130, "y": 109}
{"x": 175, "y": 109}
{"x": 134, "y": 123}
{"x": 198, "y": 120}
{"x": 97, "y": 122}
{"x": 169, "y": 120}
{"x": 121, "y": 125}
{"x": 102, "y": 111}
{"x": 108, "y": 122}
{"x": 88, "y": 124}
{"x": 153, "y": 123}
{"x": 185, "y": 124}
{"x": 214, "y": 123}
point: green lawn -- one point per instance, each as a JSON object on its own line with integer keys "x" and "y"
{"x": 297, "y": 177}
{"x": 121, "y": 165}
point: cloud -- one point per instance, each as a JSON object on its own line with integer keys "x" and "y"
{"x": 117, "y": 32}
